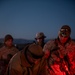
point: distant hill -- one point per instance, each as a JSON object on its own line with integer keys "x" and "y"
{"x": 1, "y": 40}
{"x": 23, "y": 41}
{"x": 18, "y": 41}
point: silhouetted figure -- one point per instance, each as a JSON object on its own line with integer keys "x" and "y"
{"x": 6, "y": 52}
{"x": 29, "y": 61}
{"x": 60, "y": 53}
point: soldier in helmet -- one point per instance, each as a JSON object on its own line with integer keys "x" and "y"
{"x": 6, "y": 52}
{"x": 60, "y": 53}
{"x": 29, "y": 61}
{"x": 40, "y": 39}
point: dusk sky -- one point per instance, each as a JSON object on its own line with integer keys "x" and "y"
{"x": 24, "y": 18}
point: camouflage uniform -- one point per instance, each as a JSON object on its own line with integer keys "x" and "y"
{"x": 19, "y": 65}
{"x": 61, "y": 60}
{"x": 62, "y": 57}
{"x": 4, "y": 52}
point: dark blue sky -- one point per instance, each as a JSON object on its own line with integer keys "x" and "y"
{"x": 24, "y": 18}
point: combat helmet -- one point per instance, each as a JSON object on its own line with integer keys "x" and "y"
{"x": 7, "y": 37}
{"x": 65, "y": 31}
{"x": 40, "y": 35}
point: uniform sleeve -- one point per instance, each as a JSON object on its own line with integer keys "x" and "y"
{"x": 42, "y": 68}
{"x": 12, "y": 72}
{"x": 1, "y": 52}
{"x": 49, "y": 45}
{"x": 14, "y": 51}
{"x": 72, "y": 62}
